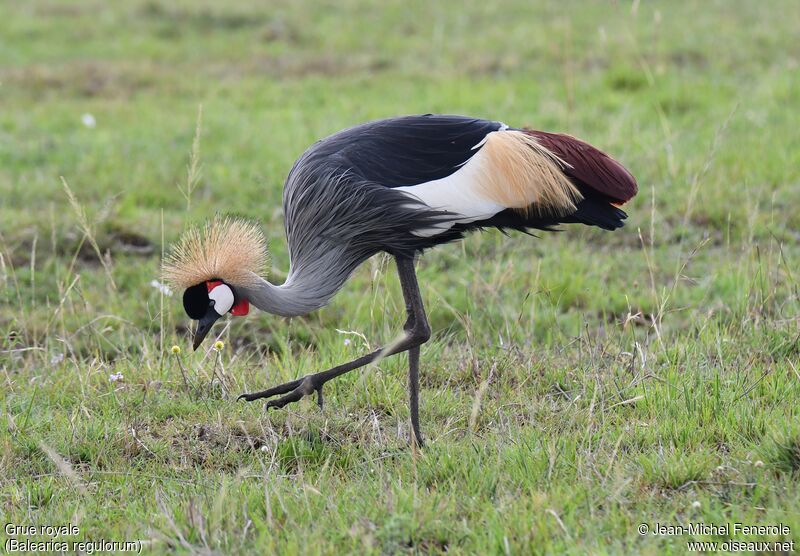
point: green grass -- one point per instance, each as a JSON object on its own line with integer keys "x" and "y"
{"x": 576, "y": 385}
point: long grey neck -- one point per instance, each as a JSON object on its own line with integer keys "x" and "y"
{"x": 316, "y": 273}
{"x": 287, "y": 300}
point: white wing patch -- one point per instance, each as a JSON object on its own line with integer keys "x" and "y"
{"x": 510, "y": 170}
{"x": 458, "y": 193}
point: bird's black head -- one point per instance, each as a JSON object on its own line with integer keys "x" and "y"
{"x": 208, "y": 301}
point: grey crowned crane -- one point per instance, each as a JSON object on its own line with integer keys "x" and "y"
{"x": 400, "y": 185}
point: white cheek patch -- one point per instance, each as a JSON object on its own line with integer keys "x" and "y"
{"x": 223, "y": 299}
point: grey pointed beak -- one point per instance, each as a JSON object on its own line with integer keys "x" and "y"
{"x": 204, "y": 326}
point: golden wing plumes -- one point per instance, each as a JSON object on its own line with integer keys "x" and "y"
{"x": 519, "y": 173}
{"x": 229, "y": 248}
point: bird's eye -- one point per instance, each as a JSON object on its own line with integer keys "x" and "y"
{"x": 221, "y": 299}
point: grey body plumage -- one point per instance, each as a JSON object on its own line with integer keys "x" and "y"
{"x": 338, "y": 212}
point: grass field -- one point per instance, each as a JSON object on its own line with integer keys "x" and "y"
{"x": 576, "y": 385}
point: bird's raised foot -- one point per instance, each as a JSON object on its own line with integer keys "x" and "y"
{"x": 269, "y": 392}
{"x": 294, "y": 390}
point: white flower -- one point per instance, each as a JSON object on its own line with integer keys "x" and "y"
{"x": 88, "y": 120}
{"x": 696, "y": 504}
{"x": 115, "y": 377}
{"x": 347, "y": 341}
{"x": 759, "y": 463}
{"x": 57, "y": 358}
{"x": 163, "y": 288}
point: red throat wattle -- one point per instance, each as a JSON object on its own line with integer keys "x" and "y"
{"x": 240, "y": 308}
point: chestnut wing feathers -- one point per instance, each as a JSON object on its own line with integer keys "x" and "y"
{"x": 589, "y": 165}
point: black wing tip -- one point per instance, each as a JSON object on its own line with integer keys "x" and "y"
{"x": 600, "y": 214}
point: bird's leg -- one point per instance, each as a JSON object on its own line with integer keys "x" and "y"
{"x": 417, "y": 333}
{"x": 413, "y": 393}
{"x": 417, "y": 320}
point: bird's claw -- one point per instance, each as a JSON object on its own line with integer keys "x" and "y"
{"x": 294, "y": 391}
{"x": 274, "y": 391}
{"x": 276, "y": 404}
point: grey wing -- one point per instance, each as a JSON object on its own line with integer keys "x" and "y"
{"x": 407, "y": 150}
{"x": 339, "y": 199}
